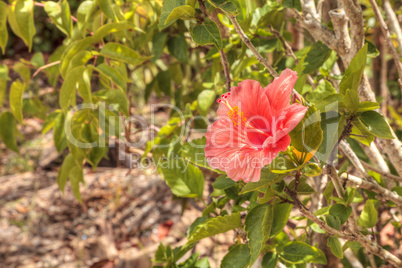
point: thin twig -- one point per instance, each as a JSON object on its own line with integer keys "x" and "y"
{"x": 248, "y": 43}
{"x": 226, "y": 69}
{"x": 350, "y": 154}
{"x": 253, "y": 49}
{"x": 224, "y": 60}
{"x": 394, "y": 23}
{"x": 374, "y": 187}
{"x": 45, "y": 67}
{"x": 384, "y": 174}
{"x": 289, "y": 50}
{"x": 385, "y": 32}
{"x": 369, "y": 245}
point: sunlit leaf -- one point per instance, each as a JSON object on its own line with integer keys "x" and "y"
{"x": 123, "y": 53}
{"x": 21, "y": 19}
{"x": 8, "y": 126}
{"x": 16, "y": 91}
{"x": 3, "y": 27}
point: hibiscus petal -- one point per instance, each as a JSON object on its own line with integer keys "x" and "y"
{"x": 250, "y": 99}
{"x": 279, "y": 91}
{"x": 223, "y": 140}
{"x": 289, "y": 119}
{"x": 293, "y": 115}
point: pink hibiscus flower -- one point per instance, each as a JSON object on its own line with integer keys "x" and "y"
{"x": 252, "y": 127}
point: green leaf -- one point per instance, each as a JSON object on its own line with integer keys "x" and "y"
{"x": 361, "y": 133}
{"x": 321, "y": 259}
{"x": 333, "y": 102}
{"x": 71, "y": 51}
{"x": 258, "y": 225}
{"x": 322, "y": 91}
{"x": 96, "y": 154}
{"x": 163, "y": 80}
{"x": 226, "y": 6}
{"x": 112, "y": 75}
{"x": 60, "y": 15}
{"x": 335, "y": 246}
{"x": 204, "y": 101}
{"x": 369, "y": 216}
{"x": 333, "y": 222}
{"x": 207, "y": 33}
{"x": 122, "y": 53}
{"x": 193, "y": 151}
{"x": 376, "y": 124}
{"x": 23, "y": 70}
{"x": 282, "y": 165}
{"x": 213, "y": 226}
{"x": 21, "y": 19}
{"x": 307, "y": 135}
{"x": 107, "y": 8}
{"x": 3, "y": 83}
{"x": 158, "y": 43}
{"x": 84, "y": 85}
{"x": 223, "y": 182}
{"x": 341, "y": 211}
{"x": 38, "y": 60}
{"x": 7, "y": 131}
{"x": 267, "y": 179}
{"x": 351, "y": 100}
{"x": 312, "y": 170}
{"x": 237, "y": 257}
{"x": 354, "y": 72}
{"x": 69, "y": 87}
{"x": 178, "y": 48}
{"x": 80, "y": 59}
{"x": 368, "y": 106}
{"x": 298, "y": 252}
{"x": 202, "y": 263}
{"x": 182, "y": 12}
{"x": 296, "y": 4}
{"x": 372, "y": 51}
{"x": 167, "y": 8}
{"x": 84, "y": 13}
{"x": 268, "y": 195}
{"x": 3, "y": 27}
{"x": 76, "y": 176}
{"x": 270, "y": 260}
{"x": 112, "y": 27}
{"x": 118, "y": 99}
{"x": 183, "y": 178}
{"x": 329, "y": 191}
{"x": 332, "y": 125}
{"x": 64, "y": 171}
{"x": 59, "y": 135}
{"x": 16, "y": 91}
{"x": 280, "y": 218}
{"x": 316, "y": 56}
{"x": 303, "y": 187}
